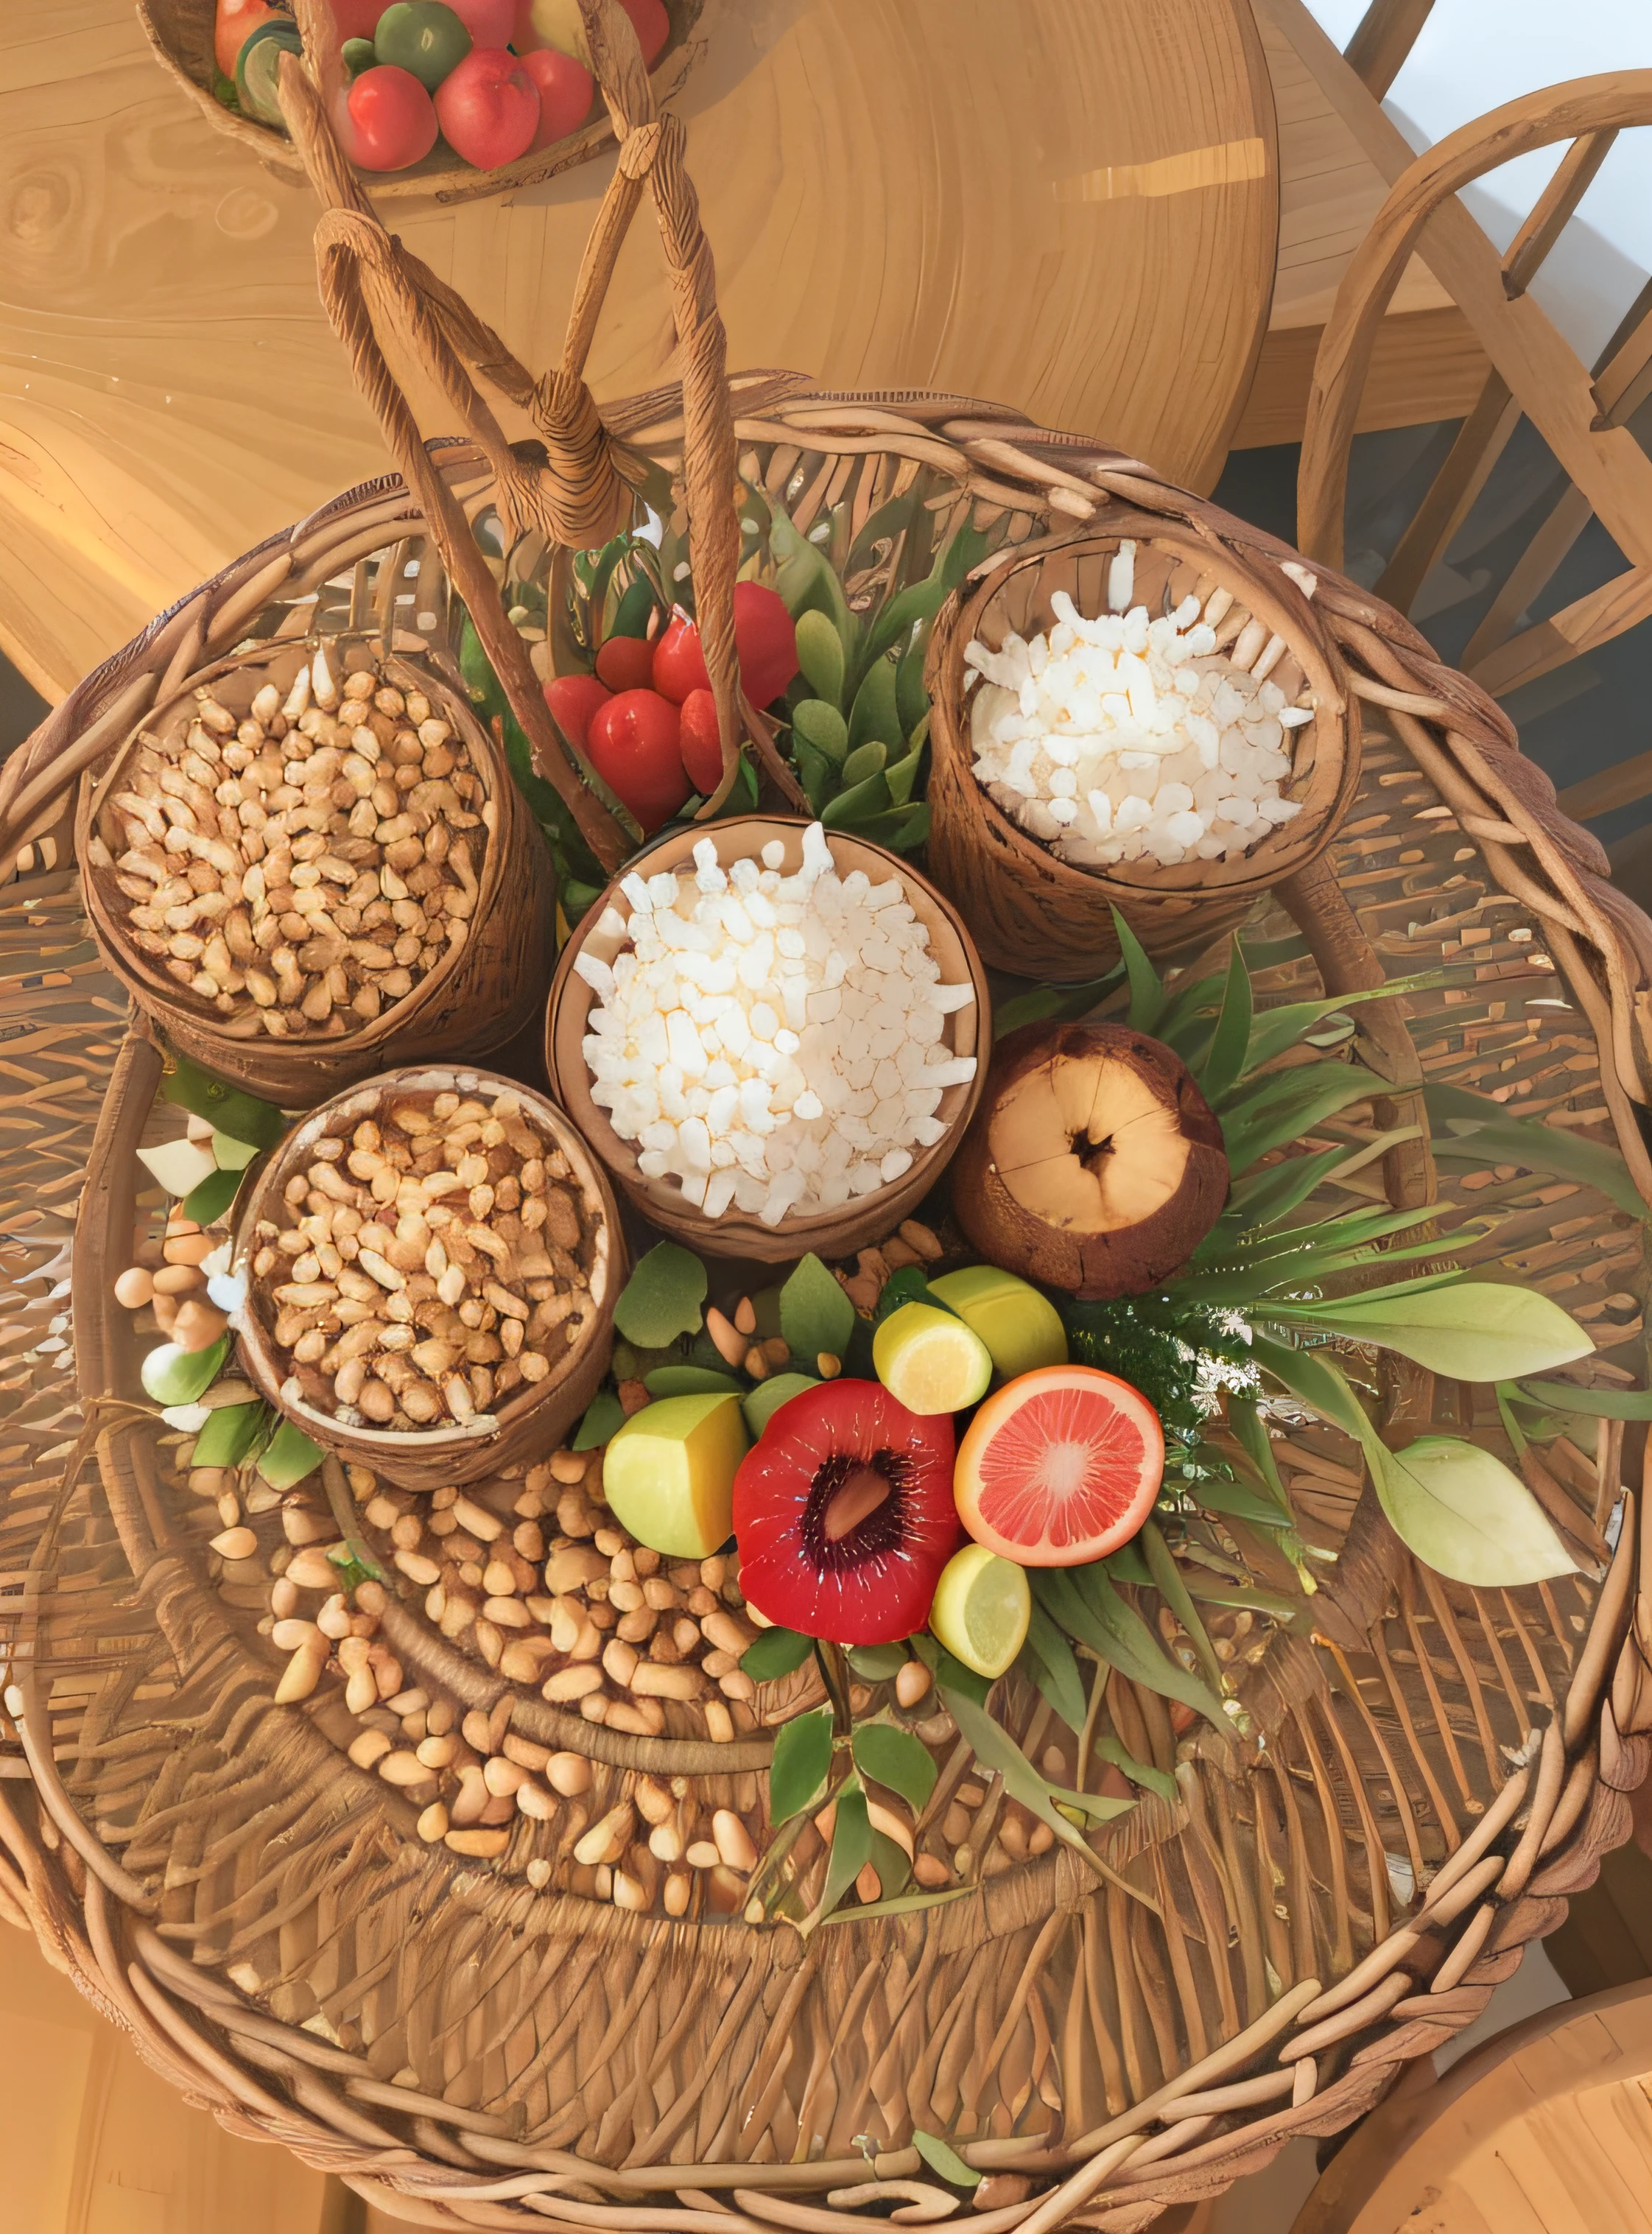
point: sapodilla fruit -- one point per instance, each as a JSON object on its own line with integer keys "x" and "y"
{"x": 1095, "y": 1163}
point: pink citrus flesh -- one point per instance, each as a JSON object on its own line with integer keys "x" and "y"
{"x": 1059, "y": 1467}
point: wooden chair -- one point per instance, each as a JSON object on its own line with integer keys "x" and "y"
{"x": 1581, "y": 412}
{"x": 1547, "y": 2129}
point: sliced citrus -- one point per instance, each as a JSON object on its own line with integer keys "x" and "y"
{"x": 1059, "y": 1467}
{"x": 982, "y": 1605}
{"x": 930, "y": 1361}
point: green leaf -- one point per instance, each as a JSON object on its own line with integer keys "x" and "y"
{"x": 949, "y": 1675}
{"x": 1470, "y": 1330}
{"x": 921, "y": 601}
{"x": 634, "y": 610}
{"x": 876, "y": 1663}
{"x": 1472, "y": 1128}
{"x": 1266, "y": 1197}
{"x": 761, "y": 1404}
{"x": 907, "y": 1283}
{"x": 1225, "y": 1061}
{"x": 776, "y": 1652}
{"x": 662, "y": 1299}
{"x": 902, "y": 779}
{"x": 231, "y": 1154}
{"x": 1596, "y": 1403}
{"x": 604, "y": 1417}
{"x": 902, "y": 829}
{"x": 486, "y": 691}
{"x": 691, "y": 1380}
{"x": 1043, "y": 1001}
{"x": 1465, "y": 1515}
{"x": 1317, "y": 1380}
{"x": 815, "y": 772}
{"x": 1276, "y": 1029}
{"x": 875, "y": 716}
{"x": 1156, "y": 1780}
{"x": 801, "y": 1762}
{"x": 1285, "y": 1104}
{"x": 892, "y": 1864}
{"x": 1242, "y": 1504}
{"x": 817, "y": 1318}
{"x": 241, "y": 1115}
{"x": 904, "y": 1904}
{"x": 231, "y": 1432}
{"x": 1147, "y": 990}
{"x": 1054, "y": 1669}
{"x": 995, "y": 1749}
{"x": 851, "y": 1843}
{"x": 817, "y": 719}
{"x": 806, "y": 583}
{"x": 289, "y": 1456}
{"x": 1084, "y": 1602}
{"x": 887, "y": 1755}
{"x": 945, "y": 2161}
{"x": 911, "y": 699}
{"x": 859, "y": 803}
{"x": 170, "y": 1375}
{"x": 864, "y": 762}
{"x": 1168, "y": 1581}
{"x": 208, "y": 1202}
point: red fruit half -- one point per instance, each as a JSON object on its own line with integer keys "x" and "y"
{"x": 632, "y": 743}
{"x": 1059, "y": 1467}
{"x": 626, "y": 663}
{"x": 844, "y": 1514}
{"x": 565, "y": 88}
{"x": 488, "y": 108}
{"x": 679, "y": 665}
{"x": 574, "y": 699}
{"x": 701, "y": 745}
{"x": 765, "y": 638}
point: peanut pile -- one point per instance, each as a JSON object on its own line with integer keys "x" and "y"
{"x": 437, "y": 1258}
{"x": 302, "y": 868}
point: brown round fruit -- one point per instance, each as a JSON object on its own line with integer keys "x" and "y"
{"x": 1095, "y": 1163}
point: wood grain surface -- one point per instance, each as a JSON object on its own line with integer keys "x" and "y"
{"x": 1069, "y": 205}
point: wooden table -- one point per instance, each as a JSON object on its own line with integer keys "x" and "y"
{"x": 1069, "y": 205}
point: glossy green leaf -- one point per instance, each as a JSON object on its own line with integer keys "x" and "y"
{"x": 1283, "y": 1105}
{"x": 884, "y": 1754}
{"x": 949, "y": 1675}
{"x": 1596, "y": 1403}
{"x": 1046, "y": 1001}
{"x": 911, "y": 699}
{"x": 759, "y": 1404}
{"x": 874, "y": 716}
{"x": 801, "y": 1762}
{"x": 817, "y": 1318}
{"x": 864, "y": 762}
{"x": 691, "y": 1380}
{"x": 1225, "y": 1061}
{"x": 1147, "y": 990}
{"x": 1054, "y": 1669}
{"x": 231, "y": 1154}
{"x": 1465, "y": 1515}
{"x": 229, "y": 1110}
{"x": 1140, "y": 1773}
{"x": 876, "y": 1663}
{"x": 773, "y": 1653}
{"x": 859, "y": 803}
{"x": 902, "y": 829}
{"x": 944, "y": 2160}
{"x": 1082, "y": 1601}
{"x": 1275, "y": 1029}
{"x": 1167, "y": 1580}
{"x": 851, "y": 1845}
{"x": 208, "y": 1203}
{"x": 905, "y": 1904}
{"x": 806, "y": 582}
{"x": 232, "y": 1431}
{"x": 996, "y": 1749}
{"x": 1472, "y": 1128}
{"x": 172, "y": 1375}
{"x": 1252, "y": 1434}
{"x": 902, "y": 779}
{"x": 604, "y": 1417}
{"x": 662, "y": 1299}
{"x": 815, "y": 771}
{"x": 892, "y": 1864}
{"x": 1317, "y": 1379}
{"x": 921, "y": 601}
{"x": 816, "y": 719}
{"x": 288, "y": 1457}
{"x": 907, "y": 1283}
{"x": 1470, "y": 1330}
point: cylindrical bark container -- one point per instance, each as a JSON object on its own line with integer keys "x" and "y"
{"x": 1041, "y": 916}
{"x": 477, "y": 996}
{"x": 534, "y": 1418}
{"x": 741, "y": 1233}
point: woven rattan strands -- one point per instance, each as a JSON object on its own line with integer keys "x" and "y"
{"x": 1437, "y": 1768}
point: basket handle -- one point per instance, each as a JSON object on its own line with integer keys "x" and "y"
{"x": 583, "y": 493}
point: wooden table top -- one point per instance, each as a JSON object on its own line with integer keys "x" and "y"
{"x": 1067, "y": 204}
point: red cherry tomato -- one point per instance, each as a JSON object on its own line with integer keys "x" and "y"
{"x": 357, "y": 19}
{"x": 626, "y": 663}
{"x": 488, "y": 108}
{"x": 699, "y": 744}
{"x": 573, "y": 699}
{"x": 652, "y": 26}
{"x": 633, "y": 747}
{"x": 490, "y": 22}
{"x": 565, "y": 88}
{"x": 236, "y": 20}
{"x": 765, "y": 639}
{"x": 393, "y": 118}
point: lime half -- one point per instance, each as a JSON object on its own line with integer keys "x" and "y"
{"x": 930, "y": 1361}
{"x": 258, "y": 70}
{"x": 981, "y": 1608}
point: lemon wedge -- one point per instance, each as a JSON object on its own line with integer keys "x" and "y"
{"x": 981, "y": 1608}
{"x": 930, "y": 1361}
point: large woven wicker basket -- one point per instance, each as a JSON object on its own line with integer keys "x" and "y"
{"x": 458, "y": 2026}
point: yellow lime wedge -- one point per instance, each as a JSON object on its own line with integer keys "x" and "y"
{"x": 982, "y": 1605}
{"x": 930, "y": 1361}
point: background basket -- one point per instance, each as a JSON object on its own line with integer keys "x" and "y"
{"x": 1427, "y": 1771}
{"x": 740, "y": 1233}
{"x": 530, "y": 1420}
{"x": 478, "y": 995}
{"x": 181, "y": 32}
{"x": 1041, "y": 917}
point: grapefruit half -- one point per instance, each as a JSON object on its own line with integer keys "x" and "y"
{"x": 1059, "y": 1467}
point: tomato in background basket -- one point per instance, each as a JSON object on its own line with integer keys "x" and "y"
{"x": 357, "y": 19}
{"x": 765, "y": 637}
{"x": 626, "y": 663}
{"x": 488, "y": 108}
{"x": 700, "y": 746}
{"x": 490, "y": 22}
{"x": 393, "y": 117}
{"x": 632, "y": 744}
{"x": 574, "y": 700}
{"x": 235, "y": 20}
{"x": 565, "y": 88}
